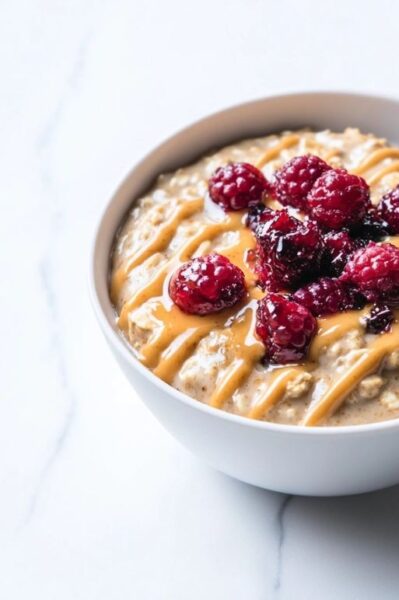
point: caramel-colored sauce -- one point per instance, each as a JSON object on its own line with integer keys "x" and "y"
{"x": 334, "y": 328}
{"x": 177, "y": 335}
{"x": 275, "y": 390}
{"x": 392, "y": 168}
{"x": 163, "y": 238}
{"x": 375, "y": 158}
{"x": 369, "y": 361}
{"x": 248, "y": 351}
{"x": 331, "y": 154}
{"x": 271, "y": 153}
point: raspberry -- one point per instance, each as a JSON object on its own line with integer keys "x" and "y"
{"x": 237, "y": 186}
{"x": 373, "y": 227}
{"x": 285, "y": 327}
{"x": 380, "y": 319}
{"x": 328, "y": 296}
{"x": 295, "y": 179}
{"x": 266, "y": 279}
{"x": 288, "y": 251}
{"x": 206, "y": 285}
{"x": 375, "y": 271}
{"x": 388, "y": 208}
{"x": 259, "y": 213}
{"x": 338, "y": 247}
{"x": 339, "y": 199}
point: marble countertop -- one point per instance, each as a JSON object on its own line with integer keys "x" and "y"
{"x": 96, "y": 500}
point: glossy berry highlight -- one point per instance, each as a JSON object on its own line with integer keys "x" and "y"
{"x": 327, "y": 296}
{"x": 206, "y": 285}
{"x": 237, "y": 186}
{"x": 295, "y": 179}
{"x": 259, "y": 213}
{"x": 338, "y": 248}
{"x": 375, "y": 271}
{"x": 338, "y": 199}
{"x": 380, "y": 319}
{"x": 285, "y": 327}
{"x": 388, "y": 209}
{"x": 373, "y": 227}
{"x": 288, "y": 251}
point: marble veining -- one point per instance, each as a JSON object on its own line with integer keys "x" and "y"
{"x": 46, "y": 275}
{"x": 71, "y": 84}
{"x": 70, "y": 397}
{"x": 281, "y": 532}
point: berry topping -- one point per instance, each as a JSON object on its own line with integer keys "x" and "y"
{"x": 295, "y": 179}
{"x": 338, "y": 247}
{"x": 375, "y": 271}
{"x": 388, "y": 209}
{"x": 339, "y": 199}
{"x": 373, "y": 227}
{"x": 206, "y": 285}
{"x": 288, "y": 251}
{"x": 259, "y": 213}
{"x": 328, "y": 296}
{"x": 285, "y": 327}
{"x": 380, "y": 319}
{"x": 237, "y": 186}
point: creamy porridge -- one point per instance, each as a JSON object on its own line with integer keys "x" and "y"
{"x": 349, "y": 375}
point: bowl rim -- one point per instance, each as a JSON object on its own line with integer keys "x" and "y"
{"x": 116, "y": 339}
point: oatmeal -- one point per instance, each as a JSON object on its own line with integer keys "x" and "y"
{"x": 341, "y": 364}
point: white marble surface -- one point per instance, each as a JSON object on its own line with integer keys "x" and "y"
{"x": 96, "y": 500}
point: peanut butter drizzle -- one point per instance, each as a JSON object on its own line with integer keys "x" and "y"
{"x": 179, "y": 334}
{"x": 331, "y": 154}
{"x": 273, "y": 152}
{"x": 208, "y": 231}
{"x": 376, "y": 157}
{"x": 368, "y": 362}
{"x": 165, "y": 235}
{"x": 275, "y": 391}
{"x": 176, "y": 340}
{"x": 248, "y": 351}
{"x": 392, "y": 168}
{"x": 331, "y": 329}
{"x": 237, "y": 253}
{"x": 334, "y": 328}
{"x": 178, "y": 352}
{"x": 394, "y": 240}
{"x": 151, "y": 290}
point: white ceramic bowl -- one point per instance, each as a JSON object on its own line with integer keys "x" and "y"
{"x": 311, "y": 461}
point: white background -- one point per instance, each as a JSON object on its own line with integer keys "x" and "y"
{"x": 96, "y": 500}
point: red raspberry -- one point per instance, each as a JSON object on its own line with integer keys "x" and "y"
{"x": 380, "y": 319}
{"x": 266, "y": 279}
{"x": 338, "y": 247}
{"x": 388, "y": 208}
{"x": 288, "y": 251}
{"x": 206, "y": 285}
{"x": 285, "y": 327}
{"x": 328, "y": 296}
{"x": 295, "y": 179}
{"x": 373, "y": 227}
{"x": 375, "y": 271}
{"x": 339, "y": 199}
{"x": 259, "y": 213}
{"x": 237, "y": 186}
